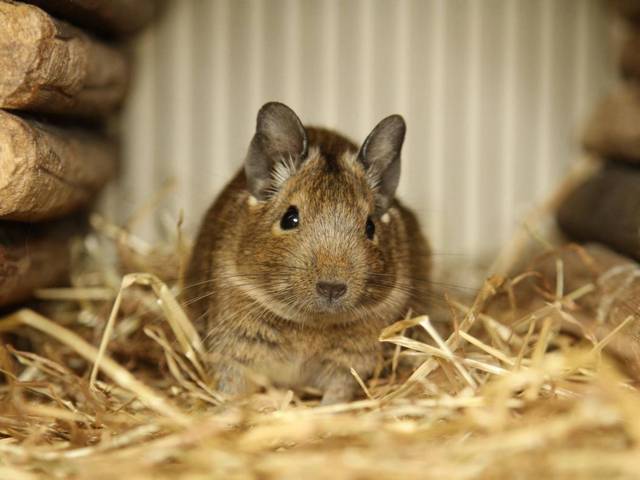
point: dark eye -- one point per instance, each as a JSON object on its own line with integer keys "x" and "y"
{"x": 290, "y": 219}
{"x": 370, "y": 229}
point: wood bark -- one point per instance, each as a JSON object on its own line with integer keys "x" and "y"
{"x": 34, "y": 256}
{"x": 115, "y": 17}
{"x": 614, "y": 129}
{"x": 46, "y": 171}
{"x": 51, "y": 67}
{"x": 606, "y": 209}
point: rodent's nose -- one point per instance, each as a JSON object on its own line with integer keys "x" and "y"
{"x": 331, "y": 290}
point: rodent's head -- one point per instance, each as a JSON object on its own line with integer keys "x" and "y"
{"x": 320, "y": 238}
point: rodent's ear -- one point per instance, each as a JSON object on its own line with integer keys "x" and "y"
{"x": 279, "y": 136}
{"x": 380, "y": 155}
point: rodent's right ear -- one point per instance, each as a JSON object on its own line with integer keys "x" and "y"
{"x": 279, "y": 136}
{"x": 380, "y": 155}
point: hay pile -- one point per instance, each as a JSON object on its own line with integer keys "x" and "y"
{"x": 510, "y": 394}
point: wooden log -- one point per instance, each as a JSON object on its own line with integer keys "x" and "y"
{"x": 630, "y": 56}
{"x": 111, "y": 17}
{"x": 614, "y": 129}
{"x": 49, "y": 66}
{"x": 46, "y": 171}
{"x": 606, "y": 209}
{"x": 34, "y": 256}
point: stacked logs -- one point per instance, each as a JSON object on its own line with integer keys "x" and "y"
{"x": 606, "y": 208}
{"x": 59, "y": 83}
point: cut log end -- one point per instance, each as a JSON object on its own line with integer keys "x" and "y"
{"x": 35, "y": 256}
{"x": 51, "y": 67}
{"x": 47, "y": 172}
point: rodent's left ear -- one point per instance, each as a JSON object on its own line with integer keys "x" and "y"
{"x": 380, "y": 155}
{"x": 279, "y": 137}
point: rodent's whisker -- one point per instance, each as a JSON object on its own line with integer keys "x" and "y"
{"x": 224, "y": 276}
{"x": 427, "y": 281}
{"x": 190, "y": 301}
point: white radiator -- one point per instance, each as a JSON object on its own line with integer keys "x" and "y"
{"x": 494, "y": 93}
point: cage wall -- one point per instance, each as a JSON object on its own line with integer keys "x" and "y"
{"x": 494, "y": 93}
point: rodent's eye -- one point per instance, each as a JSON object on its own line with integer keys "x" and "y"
{"x": 370, "y": 228}
{"x": 290, "y": 219}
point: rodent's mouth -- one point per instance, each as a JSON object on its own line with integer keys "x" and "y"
{"x": 324, "y": 306}
{"x": 329, "y": 309}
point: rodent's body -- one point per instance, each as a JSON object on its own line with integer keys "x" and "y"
{"x": 255, "y": 297}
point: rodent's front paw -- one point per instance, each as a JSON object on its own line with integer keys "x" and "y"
{"x": 233, "y": 383}
{"x": 339, "y": 391}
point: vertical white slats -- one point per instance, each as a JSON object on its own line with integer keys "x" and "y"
{"x": 402, "y": 89}
{"x": 275, "y": 57}
{"x": 292, "y": 53}
{"x": 330, "y": 64}
{"x": 169, "y": 112}
{"x": 544, "y": 82}
{"x": 562, "y": 93}
{"x": 403, "y": 56}
{"x": 181, "y": 72}
{"x": 414, "y": 182}
{"x": 218, "y": 156}
{"x": 472, "y": 126}
{"x": 581, "y": 68}
{"x": 202, "y": 183}
{"x": 313, "y": 43}
{"x": 526, "y": 104}
{"x": 494, "y": 93}
{"x": 435, "y": 26}
{"x": 365, "y": 66}
{"x": 384, "y": 77}
{"x": 255, "y": 54}
{"x": 139, "y": 137}
{"x": 508, "y": 113}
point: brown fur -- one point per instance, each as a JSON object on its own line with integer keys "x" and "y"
{"x": 252, "y": 295}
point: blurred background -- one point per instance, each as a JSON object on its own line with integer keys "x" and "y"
{"x": 494, "y": 93}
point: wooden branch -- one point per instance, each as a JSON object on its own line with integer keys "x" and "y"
{"x": 34, "y": 256}
{"x": 606, "y": 209}
{"x": 47, "y": 171}
{"x": 614, "y": 129}
{"x": 119, "y": 17}
{"x": 49, "y": 66}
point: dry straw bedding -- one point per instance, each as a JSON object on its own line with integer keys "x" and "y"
{"x": 108, "y": 381}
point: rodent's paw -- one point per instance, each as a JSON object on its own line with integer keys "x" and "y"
{"x": 341, "y": 390}
{"x": 233, "y": 383}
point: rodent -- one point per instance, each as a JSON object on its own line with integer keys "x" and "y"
{"x": 305, "y": 257}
